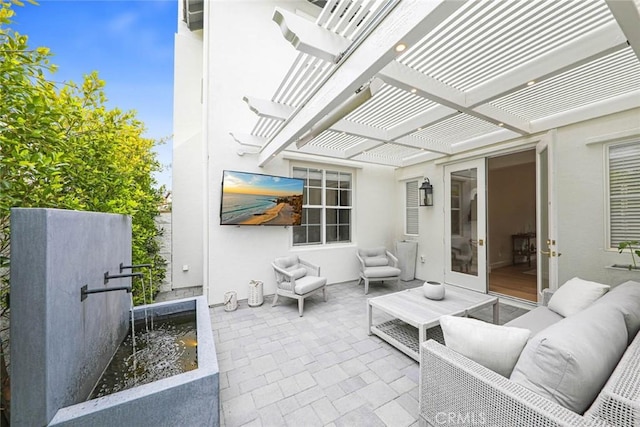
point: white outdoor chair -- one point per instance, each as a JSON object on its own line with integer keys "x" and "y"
{"x": 377, "y": 265}
{"x": 461, "y": 254}
{"x": 298, "y": 279}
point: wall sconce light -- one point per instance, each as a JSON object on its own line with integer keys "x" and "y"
{"x": 426, "y": 193}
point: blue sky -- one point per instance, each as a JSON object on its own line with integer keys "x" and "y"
{"x": 129, "y": 43}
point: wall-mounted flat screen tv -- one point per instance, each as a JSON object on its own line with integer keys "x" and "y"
{"x": 256, "y": 199}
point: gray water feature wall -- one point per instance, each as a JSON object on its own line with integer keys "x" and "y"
{"x": 187, "y": 399}
{"x": 60, "y": 345}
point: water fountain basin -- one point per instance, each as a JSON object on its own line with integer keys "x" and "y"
{"x": 189, "y": 398}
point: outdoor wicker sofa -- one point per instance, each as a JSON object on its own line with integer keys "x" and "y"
{"x": 455, "y": 390}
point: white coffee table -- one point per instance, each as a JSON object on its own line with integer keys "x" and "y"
{"x": 410, "y": 307}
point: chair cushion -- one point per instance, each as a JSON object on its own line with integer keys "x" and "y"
{"x": 536, "y": 320}
{"x": 376, "y": 261}
{"x": 297, "y": 271}
{"x": 576, "y": 295}
{"x": 367, "y": 252}
{"x": 287, "y": 262}
{"x": 309, "y": 284}
{"x": 376, "y": 272}
{"x": 626, "y": 298}
{"x": 570, "y": 361}
{"x": 494, "y": 346}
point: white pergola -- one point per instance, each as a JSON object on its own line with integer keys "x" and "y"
{"x": 472, "y": 74}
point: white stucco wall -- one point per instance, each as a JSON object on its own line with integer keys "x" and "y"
{"x": 581, "y": 200}
{"x": 248, "y": 57}
{"x": 188, "y": 165}
{"x": 580, "y": 181}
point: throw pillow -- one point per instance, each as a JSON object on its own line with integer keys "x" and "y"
{"x": 575, "y": 295}
{"x": 297, "y": 272}
{"x": 493, "y": 346}
{"x": 376, "y": 261}
{"x": 570, "y": 361}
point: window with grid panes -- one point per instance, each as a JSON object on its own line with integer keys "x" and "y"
{"x": 326, "y": 208}
{"x": 624, "y": 192}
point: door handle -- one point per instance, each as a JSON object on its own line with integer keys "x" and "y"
{"x": 549, "y": 253}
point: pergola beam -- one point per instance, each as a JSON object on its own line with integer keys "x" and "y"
{"x": 248, "y": 140}
{"x": 627, "y": 13}
{"x": 427, "y": 118}
{"x": 268, "y": 109}
{"x": 366, "y": 145}
{"x": 307, "y": 37}
{"x": 430, "y": 145}
{"x": 406, "y": 23}
{"x": 407, "y": 78}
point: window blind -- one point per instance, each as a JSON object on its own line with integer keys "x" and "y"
{"x": 624, "y": 192}
{"x": 412, "y": 198}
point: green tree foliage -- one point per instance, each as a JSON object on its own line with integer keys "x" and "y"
{"x": 61, "y": 147}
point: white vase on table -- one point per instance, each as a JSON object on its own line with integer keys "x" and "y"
{"x": 433, "y": 290}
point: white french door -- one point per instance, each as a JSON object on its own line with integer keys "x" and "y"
{"x": 546, "y": 233}
{"x": 465, "y": 225}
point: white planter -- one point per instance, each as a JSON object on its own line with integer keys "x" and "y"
{"x": 256, "y": 296}
{"x": 433, "y": 290}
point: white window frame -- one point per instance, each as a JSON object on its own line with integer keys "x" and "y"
{"x": 412, "y": 203}
{"x": 324, "y": 169}
{"x": 607, "y": 150}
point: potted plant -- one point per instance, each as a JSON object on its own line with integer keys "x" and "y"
{"x": 634, "y": 249}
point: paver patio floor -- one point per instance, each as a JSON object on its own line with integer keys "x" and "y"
{"x": 279, "y": 369}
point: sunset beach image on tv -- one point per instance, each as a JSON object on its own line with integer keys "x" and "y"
{"x": 256, "y": 199}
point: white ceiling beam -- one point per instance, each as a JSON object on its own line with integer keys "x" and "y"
{"x": 503, "y": 118}
{"x": 421, "y": 158}
{"x": 248, "y": 139}
{"x": 367, "y": 157}
{"x": 627, "y": 13}
{"x": 361, "y": 147}
{"x": 613, "y": 105}
{"x": 322, "y": 151}
{"x": 585, "y": 49}
{"x": 496, "y": 137}
{"x": 411, "y": 80}
{"x": 429, "y": 145}
{"x": 268, "y": 109}
{"x": 359, "y": 129}
{"x": 406, "y": 23}
{"x": 307, "y": 37}
{"x": 407, "y": 78}
{"x": 426, "y": 118}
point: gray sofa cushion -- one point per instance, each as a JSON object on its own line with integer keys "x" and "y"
{"x": 626, "y": 297}
{"x": 536, "y": 320}
{"x": 570, "y": 361}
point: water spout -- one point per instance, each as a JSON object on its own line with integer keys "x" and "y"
{"x": 108, "y": 276}
{"x": 129, "y": 267}
{"x": 84, "y": 291}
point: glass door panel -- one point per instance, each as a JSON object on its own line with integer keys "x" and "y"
{"x": 546, "y": 227}
{"x": 465, "y": 225}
